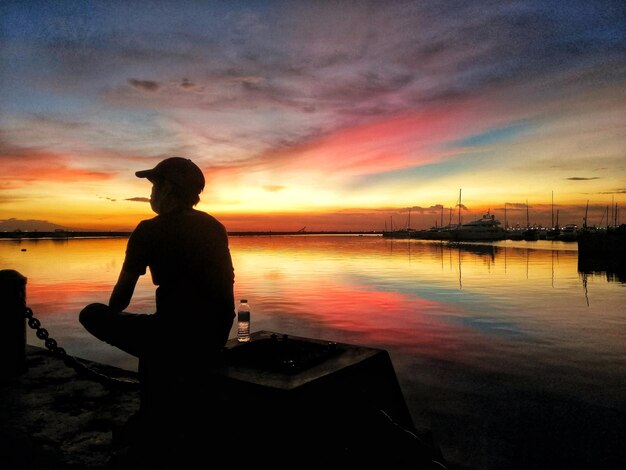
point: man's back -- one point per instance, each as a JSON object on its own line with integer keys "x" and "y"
{"x": 189, "y": 259}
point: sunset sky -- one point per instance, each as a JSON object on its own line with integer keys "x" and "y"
{"x": 325, "y": 115}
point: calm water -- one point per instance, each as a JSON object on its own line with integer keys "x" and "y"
{"x": 510, "y": 355}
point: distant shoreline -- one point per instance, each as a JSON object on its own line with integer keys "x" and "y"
{"x": 62, "y": 235}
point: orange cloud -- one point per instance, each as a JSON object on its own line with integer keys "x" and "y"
{"x": 23, "y": 166}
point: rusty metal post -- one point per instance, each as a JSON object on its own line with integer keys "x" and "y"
{"x": 12, "y": 323}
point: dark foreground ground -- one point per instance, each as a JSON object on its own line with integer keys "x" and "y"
{"x": 54, "y": 418}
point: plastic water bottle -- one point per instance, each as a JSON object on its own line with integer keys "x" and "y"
{"x": 243, "y": 321}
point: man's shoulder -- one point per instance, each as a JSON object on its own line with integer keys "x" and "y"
{"x": 191, "y": 218}
{"x": 205, "y": 216}
{"x": 146, "y": 223}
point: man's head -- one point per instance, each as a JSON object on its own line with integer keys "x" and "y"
{"x": 179, "y": 177}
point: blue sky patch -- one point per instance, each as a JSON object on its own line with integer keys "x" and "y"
{"x": 493, "y": 136}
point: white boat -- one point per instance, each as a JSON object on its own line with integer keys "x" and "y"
{"x": 485, "y": 228}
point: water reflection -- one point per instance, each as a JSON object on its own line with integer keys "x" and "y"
{"x": 612, "y": 268}
{"x": 516, "y": 261}
{"x": 434, "y": 299}
{"x": 481, "y": 335}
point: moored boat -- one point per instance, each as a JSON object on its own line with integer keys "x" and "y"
{"x": 569, "y": 233}
{"x": 403, "y": 233}
{"x": 553, "y": 233}
{"x": 485, "y": 228}
{"x": 515, "y": 233}
{"x": 436, "y": 233}
{"x": 531, "y": 234}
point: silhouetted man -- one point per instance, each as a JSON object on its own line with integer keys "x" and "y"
{"x": 189, "y": 259}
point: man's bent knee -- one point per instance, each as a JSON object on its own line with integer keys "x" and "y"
{"x": 126, "y": 331}
{"x": 91, "y": 313}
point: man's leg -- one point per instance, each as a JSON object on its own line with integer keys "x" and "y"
{"x": 131, "y": 332}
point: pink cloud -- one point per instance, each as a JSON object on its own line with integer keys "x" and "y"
{"x": 392, "y": 142}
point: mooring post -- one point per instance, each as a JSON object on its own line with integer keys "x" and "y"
{"x": 12, "y": 323}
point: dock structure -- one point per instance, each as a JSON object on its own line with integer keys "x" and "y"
{"x": 344, "y": 406}
{"x": 313, "y": 401}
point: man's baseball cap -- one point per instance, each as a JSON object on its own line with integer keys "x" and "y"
{"x": 178, "y": 170}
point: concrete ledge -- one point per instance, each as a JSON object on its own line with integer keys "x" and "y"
{"x": 54, "y": 419}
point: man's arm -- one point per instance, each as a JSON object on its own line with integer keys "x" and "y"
{"x": 123, "y": 290}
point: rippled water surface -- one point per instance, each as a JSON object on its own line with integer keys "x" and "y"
{"x": 511, "y": 353}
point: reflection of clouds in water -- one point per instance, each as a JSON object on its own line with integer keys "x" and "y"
{"x": 434, "y": 299}
{"x": 493, "y": 326}
{"x": 517, "y": 332}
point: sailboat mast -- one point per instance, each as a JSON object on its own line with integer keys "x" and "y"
{"x": 552, "y": 209}
{"x": 506, "y": 223}
{"x": 612, "y": 213}
{"x": 459, "y": 207}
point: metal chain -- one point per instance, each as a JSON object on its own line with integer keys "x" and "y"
{"x": 72, "y": 362}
